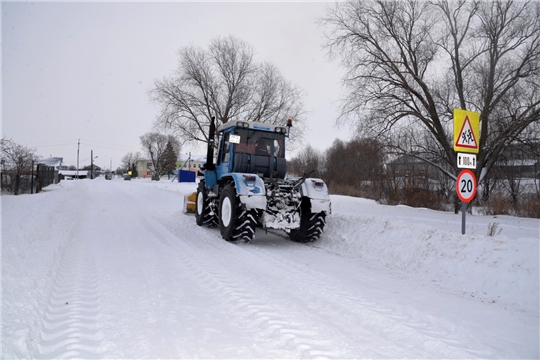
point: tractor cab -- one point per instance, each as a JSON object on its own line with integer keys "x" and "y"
{"x": 252, "y": 148}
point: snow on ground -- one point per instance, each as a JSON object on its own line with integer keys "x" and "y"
{"x": 113, "y": 269}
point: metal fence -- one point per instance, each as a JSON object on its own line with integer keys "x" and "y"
{"x": 46, "y": 176}
{"x": 28, "y": 182}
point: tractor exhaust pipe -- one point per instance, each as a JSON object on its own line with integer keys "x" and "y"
{"x": 210, "y": 151}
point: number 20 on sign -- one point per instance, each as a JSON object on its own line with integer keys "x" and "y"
{"x": 466, "y": 185}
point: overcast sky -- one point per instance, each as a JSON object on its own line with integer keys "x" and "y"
{"x": 75, "y": 71}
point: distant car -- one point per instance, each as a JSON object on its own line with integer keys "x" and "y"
{"x": 108, "y": 177}
{"x": 127, "y": 177}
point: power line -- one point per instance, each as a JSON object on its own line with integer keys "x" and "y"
{"x": 107, "y": 146}
{"x": 51, "y": 144}
{"x": 83, "y": 142}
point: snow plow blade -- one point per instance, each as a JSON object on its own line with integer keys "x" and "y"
{"x": 189, "y": 203}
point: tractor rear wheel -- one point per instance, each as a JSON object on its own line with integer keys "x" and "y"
{"x": 235, "y": 221}
{"x": 203, "y": 211}
{"x": 311, "y": 225}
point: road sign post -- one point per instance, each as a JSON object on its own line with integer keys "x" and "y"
{"x": 466, "y": 190}
{"x": 466, "y": 140}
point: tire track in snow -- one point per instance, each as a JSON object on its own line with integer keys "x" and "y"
{"x": 396, "y": 325}
{"x": 271, "y": 322}
{"x": 335, "y": 305}
{"x": 277, "y": 333}
{"x": 72, "y": 320}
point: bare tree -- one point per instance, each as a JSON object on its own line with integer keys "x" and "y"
{"x": 410, "y": 63}
{"x": 154, "y": 144}
{"x": 308, "y": 161}
{"x": 224, "y": 81}
{"x": 18, "y": 158}
{"x": 355, "y": 164}
{"x": 129, "y": 159}
{"x": 337, "y": 164}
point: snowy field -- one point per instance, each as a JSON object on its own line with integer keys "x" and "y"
{"x": 114, "y": 269}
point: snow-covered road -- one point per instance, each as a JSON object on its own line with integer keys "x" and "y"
{"x": 114, "y": 269}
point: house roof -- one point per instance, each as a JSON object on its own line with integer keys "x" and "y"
{"x": 53, "y": 161}
{"x": 73, "y": 172}
{"x": 524, "y": 162}
{"x": 406, "y": 159}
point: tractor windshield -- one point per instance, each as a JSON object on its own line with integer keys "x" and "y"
{"x": 257, "y": 142}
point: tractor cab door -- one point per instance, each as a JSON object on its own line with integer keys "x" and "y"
{"x": 225, "y": 150}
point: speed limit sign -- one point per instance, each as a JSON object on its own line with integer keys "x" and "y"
{"x": 466, "y": 185}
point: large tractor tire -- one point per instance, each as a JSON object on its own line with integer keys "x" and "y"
{"x": 203, "y": 211}
{"x": 235, "y": 222}
{"x": 311, "y": 225}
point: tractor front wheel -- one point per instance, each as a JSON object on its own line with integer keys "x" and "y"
{"x": 203, "y": 211}
{"x": 235, "y": 221}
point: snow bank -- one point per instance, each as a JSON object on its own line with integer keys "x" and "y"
{"x": 494, "y": 269}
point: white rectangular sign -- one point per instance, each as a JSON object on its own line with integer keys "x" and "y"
{"x": 235, "y": 139}
{"x": 466, "y": 161}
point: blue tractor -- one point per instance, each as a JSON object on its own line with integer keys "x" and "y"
{"x": 245, "y": 185}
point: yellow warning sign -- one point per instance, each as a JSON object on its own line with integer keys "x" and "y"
{"x": 466, "y": 131}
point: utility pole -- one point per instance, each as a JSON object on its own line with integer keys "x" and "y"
{"x": 91, "y": 164}
{"x": 78, "y": 146}
{"x": 32, "y": 179}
